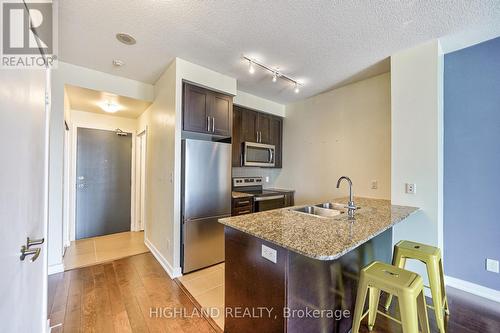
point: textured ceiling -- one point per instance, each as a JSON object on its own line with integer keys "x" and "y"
{"x": 323, "y": 43}
{"x": 83, "y": 99}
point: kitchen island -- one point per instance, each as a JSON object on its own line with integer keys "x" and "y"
{"x": 288, "y": 271}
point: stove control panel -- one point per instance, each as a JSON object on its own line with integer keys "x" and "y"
{"x": 247, "y": 181}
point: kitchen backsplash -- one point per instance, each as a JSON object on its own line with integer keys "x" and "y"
{"x": 258, "y": 172}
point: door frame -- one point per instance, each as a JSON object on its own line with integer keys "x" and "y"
{"x": 140, "y": 193}
{"x": 72, "y": 191}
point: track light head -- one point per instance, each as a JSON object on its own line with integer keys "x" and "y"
{"x": 251, "y": 67}
{"x": 296, "y": 90}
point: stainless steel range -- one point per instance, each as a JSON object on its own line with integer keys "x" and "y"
{"x": 263, "y": 199}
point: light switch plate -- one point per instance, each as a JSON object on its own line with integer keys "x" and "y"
{"x": 269, "y": 253}
{"x": 492, "y": 266}
{"x": 411, "y": 188}
{"x": 374, "y": 184}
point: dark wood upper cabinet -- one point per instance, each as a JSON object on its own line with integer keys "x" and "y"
{"x": 253, "y": 126}
{"x": 264, "y": 128}
{"x": 222, "y": 114}
{"x": 276, "y": 139}
{"x": 196, "y": 107}
{"x": 249, "y": 123}
{"x": 206, "y": 111}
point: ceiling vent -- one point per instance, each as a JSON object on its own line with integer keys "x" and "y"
{"x": 126, "y": 38}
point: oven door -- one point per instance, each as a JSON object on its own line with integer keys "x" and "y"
{"x": 270, "y": 202}
{"x": 258, "y": 154}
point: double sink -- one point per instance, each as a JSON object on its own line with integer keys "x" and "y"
{"x": 327, "y": 209}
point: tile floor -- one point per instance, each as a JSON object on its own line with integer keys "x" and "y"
{"x": 207, "y": 287}
{"x": 96, "y": 250}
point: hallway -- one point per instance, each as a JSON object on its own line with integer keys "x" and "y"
{"x": 96, "y": 250}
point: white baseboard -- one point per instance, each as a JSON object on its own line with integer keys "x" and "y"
{"x": 54, "y": 269}
{"x": 473, "y": 288}
{"x": 171, "y": 271}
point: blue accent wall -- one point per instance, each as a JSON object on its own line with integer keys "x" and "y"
{"x": 472, "y": 162}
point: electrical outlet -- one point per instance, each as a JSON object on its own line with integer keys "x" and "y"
{"x": 267, "y": 179}
{"x": 269, "y": 253}
{"x": 411, "y": 188}
{"x": 374, "y": 184}
{"x": 492, "y": 266}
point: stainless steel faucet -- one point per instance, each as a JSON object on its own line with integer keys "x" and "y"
{"x": 351, "y": 207}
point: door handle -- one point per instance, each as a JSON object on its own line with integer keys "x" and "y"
{"x": 33, "y": 252}
{"x": 208, "y": 123}
{"x": 32, "y": 242}
{"x": 213, "y": 124}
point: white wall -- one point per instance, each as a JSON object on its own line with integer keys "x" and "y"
{"x": 417, "y": 142}
{"x": 163, "y": 120}
{"x": 345, "y": 131}
{"x": 87, "y": 78}
{"x": 160, "y": 161}
{"x": 258, "y": 103}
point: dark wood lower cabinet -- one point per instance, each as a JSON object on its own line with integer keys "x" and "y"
{"x": 281, "y": 296}
{"x": 242, "y": 206}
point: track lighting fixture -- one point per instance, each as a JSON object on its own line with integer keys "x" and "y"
{"x": 274, "y": 72}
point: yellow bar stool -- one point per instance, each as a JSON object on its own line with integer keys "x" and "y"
{"x": 406, "y": 285}
{"x": 431, "y": 257}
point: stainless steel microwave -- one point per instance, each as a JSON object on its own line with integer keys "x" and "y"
{"x": 258, "y": 154}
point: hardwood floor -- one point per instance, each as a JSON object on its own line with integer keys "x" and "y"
{"x": 468, "y": 314}
{"x": 117, "y": 297}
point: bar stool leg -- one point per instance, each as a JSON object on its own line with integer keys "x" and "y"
{"x": 409, "y": 316}
{"x": 373, "y": 306}
{"x": 434, "y": 281}
{"x": 422, "y": 313}
{"x": 443, "y": 288}
{"x": 398, "y": 261}
{"x": 360, "y": 304}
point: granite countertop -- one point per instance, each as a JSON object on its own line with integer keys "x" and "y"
{"x": 237, "y": 195}
{"x": 322, "y": 238}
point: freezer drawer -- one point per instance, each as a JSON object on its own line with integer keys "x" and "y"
{"x": 203, "y": 241}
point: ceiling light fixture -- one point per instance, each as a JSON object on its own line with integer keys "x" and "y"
{"x": 251, "y": 68}
{"x": 125, "y": 38}
{"x": 109, "y": 107}
{"x": 274, "y": 71}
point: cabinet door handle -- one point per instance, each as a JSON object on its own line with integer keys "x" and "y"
{"x": 213, "y": 124}
{"x": 208, "y": 124}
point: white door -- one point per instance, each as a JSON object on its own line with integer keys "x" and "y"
{"x": 23, "y": 195}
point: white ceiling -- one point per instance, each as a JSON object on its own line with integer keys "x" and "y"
{"x": 83, "y": 99}
{"x": 323, "y": 43}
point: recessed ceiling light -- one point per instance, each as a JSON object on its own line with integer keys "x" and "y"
{"x": 109, "y": 107}
{"x": 118, "y": 63}
{"x": 125, "y": 38}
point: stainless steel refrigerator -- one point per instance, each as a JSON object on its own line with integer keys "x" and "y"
{"x": 206, "y": 197}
